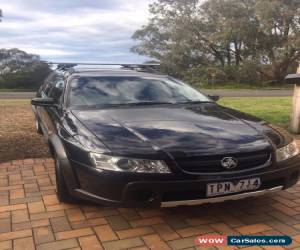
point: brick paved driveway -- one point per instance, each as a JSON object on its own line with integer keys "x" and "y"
{"x": 31, "y": 217}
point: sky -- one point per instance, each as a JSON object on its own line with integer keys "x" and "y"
{"x": 74, "y": 30}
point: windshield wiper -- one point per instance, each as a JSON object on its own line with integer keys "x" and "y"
{"x": 147, "y": 103}
{"x": 109, "y": 105}
{"x": 194, "y": 102}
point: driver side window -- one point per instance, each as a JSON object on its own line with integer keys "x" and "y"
{"x": 58, "y": 87}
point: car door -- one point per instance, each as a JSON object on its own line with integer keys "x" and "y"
{"x": 41, "y": 112}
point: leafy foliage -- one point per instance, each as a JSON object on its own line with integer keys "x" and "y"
{"x": 223, "y": 40}
{"x": 19, "y": 70}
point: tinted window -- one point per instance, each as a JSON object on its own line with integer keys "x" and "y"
{"x": 47, "y": 89}
{"x": 86, "y": 91}
{"x": 47, "y": 86}
{"x": 57, "y": 89}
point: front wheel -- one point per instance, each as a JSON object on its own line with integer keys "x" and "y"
{"x": 62, "y": 191}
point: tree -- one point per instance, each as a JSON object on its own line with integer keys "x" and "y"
{"x": 279, "y": 35}
{"x": 19, "y": 69}
{"x": 232, "y": 35}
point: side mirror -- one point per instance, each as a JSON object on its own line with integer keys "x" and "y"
{"x": 214, "y": 97}
{"x": 50, "y": 102}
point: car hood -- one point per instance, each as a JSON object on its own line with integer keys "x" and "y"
{"x": 203, "y": 129}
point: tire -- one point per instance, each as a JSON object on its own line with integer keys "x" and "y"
{"x": 38, "y": 127}
{"x": 62, "y": 191}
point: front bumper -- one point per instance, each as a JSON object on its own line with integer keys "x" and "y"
{"x": 221, "y": 198}
{"x": 168, "y": 190}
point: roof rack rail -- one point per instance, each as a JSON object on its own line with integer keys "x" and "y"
{"x": 148, "y": 67}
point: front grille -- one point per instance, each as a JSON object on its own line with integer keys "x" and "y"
{"x": 212, "y": 163}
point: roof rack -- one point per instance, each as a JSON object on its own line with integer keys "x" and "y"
{"x": 146, "y": 67}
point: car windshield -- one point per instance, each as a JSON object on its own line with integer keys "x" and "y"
{"x": 131, "y": 90}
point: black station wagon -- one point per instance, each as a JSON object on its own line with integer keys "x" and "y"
{"x": 129, "y": 136}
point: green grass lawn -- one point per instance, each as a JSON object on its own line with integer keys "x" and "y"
{"x": 276, "y": 110}
{"x": 241, "y": 86}
{"x": 17, "y": 90}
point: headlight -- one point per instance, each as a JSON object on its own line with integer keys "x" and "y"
{"x": 287, "y": 151}
{"x": 120, "y": 164}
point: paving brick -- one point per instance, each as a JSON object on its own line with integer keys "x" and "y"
{"x": 254, "y": 218}
{"x": 182, "y": 243}
{"x": 230, "y": 220}
{"x": 20, "y": 216}
{"x": 222, "y": 228}
{"x": 129, "y": 213}
{"x": 24, "y": 244}
{"x": 146, "y": 213}
{"x": 88, "y": 223}
{"x": 176, "y": 222}
{"x": 58, "y": 245}
{"x": 30, "y": 213}
{"x": 29, "y": 224}
{"x": 141, "y": 248}
{"x": 285, "y": 209}
{"x": 146, "y": 222}
{"x": 36, "y": 207}
{"x": 130, "y": 233}
{"x": 40, "y": 223}
{"x": 252, "y": 229}
{"x": 25, "y": 200}
{"x": 4, "y": 215}
{"x": 200, "y": 221}
{"x": 191, "y": 231}
{"x": 60, "y": 224}
{"x": 283, "y": 228}
{"x": 43, "y": 235}
{"x": 290, "y": 220}
{"x": 12, "y": 207}
{"x": 103, "y": 213}
{"x": 117, "y": 222}
{"x": 73, "y": 233}
{"x": 4, "y": 198}
{"x": 50, "y": 200}
{"x": 123, "y": 244}
{"x": 5, "y": 225}
{"x": 61, "y": 206}
{"x": 165, "y": 232}
{"x": 44, "y": 182}
{"x": 17, "y": 193}
{"x": 15, "y": 235}
{"x": 45, "y": 215}
{"x": 21, "y": 226}
{"x": 5, "y": 245}
{"x": 155, "y": 242}
{"x": 12, "y": 187}
{"x": 31, "y": 187}
{"x": 90, "y": 243}
{"x": 28, "y": 161}
{"x": 105, "y": 233}
{"x": 285, "y": 201}
{"x": 75, "y": 214}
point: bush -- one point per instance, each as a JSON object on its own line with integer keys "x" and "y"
{"x": 247, "y": 73}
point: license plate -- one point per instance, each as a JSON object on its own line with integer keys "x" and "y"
{"x": 228, "y": 187}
